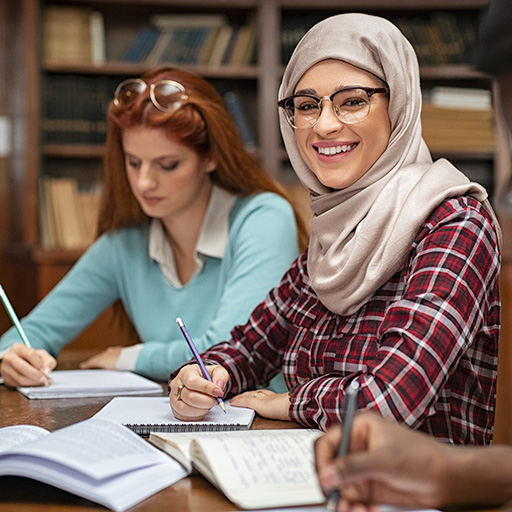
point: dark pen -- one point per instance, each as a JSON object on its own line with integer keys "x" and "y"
{"x": 197, "y": 357}
{"x": 345, "y": 439}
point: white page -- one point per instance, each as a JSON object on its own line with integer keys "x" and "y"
{"x": 264, "y": 468}
{"x": 16, "y": 435}
{"x": 84, "y": 383}
{"x": 157, "y": 411}
{"x": 97, "y": 448}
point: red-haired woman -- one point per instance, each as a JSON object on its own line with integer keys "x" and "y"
{"x": 190, "y": 226}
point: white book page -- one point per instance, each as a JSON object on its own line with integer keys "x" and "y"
{"x": 96, "y": 448}
{"x": 261, "y": 468}
{"x": 19, "y": 434}
{"x": 77, "y": 457}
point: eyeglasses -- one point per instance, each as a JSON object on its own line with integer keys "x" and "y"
{"x": 166, "y": 95}
{"x": 351, "y": 106}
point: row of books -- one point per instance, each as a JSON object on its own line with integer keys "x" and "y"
{"x": 73, "y": 35}
{"x": 74, "y": 109}
{"x": 68, "y": 213}
{"x": 206, "y": 39}
{"x": 458, "y": 120}
{"x": 76, "y": 34}
{"x": 441, "y": 37}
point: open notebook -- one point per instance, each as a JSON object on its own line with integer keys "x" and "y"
{"x": 88, "y": 383}
{"x": 153, "y": 414}
{"x": 255, "y": 468}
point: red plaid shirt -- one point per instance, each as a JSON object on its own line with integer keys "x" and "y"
{"x": 424, "y": 347}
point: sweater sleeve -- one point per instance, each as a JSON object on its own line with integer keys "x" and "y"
{"x": 262, "y": 244}
{"x": 84, "y": 292}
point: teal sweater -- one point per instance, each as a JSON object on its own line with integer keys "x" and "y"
{"x": 262, "y": 244}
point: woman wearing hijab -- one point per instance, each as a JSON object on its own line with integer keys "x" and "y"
{"x": 399, "y": 285}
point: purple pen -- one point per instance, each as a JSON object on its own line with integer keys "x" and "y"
{"x": 197, "y": 357}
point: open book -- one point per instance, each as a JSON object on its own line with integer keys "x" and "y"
{"x": 85, "y": 383}
{"x": 99, "y": 460}
{"x": 253, "y": 468}
{"x": 154, "y": 414}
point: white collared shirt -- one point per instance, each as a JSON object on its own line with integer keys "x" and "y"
{"x": 212, "y": 240}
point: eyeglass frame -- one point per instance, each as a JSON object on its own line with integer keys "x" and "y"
{"x": 152, "y": 96}
{"x": 370, "y": 91}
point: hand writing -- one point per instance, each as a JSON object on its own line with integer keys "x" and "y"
{"x": 192, "y": 396}
{"x": 25, "y": 366}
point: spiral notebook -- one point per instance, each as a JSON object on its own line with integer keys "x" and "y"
{"x": 153, "y": 414}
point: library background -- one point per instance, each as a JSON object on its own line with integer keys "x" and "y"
{"x": 60, "y": 62}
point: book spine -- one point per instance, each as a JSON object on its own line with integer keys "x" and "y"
{"x": 235, "y": 108}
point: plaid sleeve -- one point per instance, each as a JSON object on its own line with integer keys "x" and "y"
{"x": 255, "y": 351}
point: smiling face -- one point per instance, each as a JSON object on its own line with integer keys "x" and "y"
{"x": 339, "y": 154}
{"x": 168, "y": 179}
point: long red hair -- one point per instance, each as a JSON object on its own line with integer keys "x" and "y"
{"x": 203, "y": 124}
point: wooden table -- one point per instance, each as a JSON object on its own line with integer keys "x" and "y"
{"x": 192, "y": 494}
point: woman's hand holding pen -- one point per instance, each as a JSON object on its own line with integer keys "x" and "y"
{"x": 192, "y": 396}
{"x": 26, "y": 366}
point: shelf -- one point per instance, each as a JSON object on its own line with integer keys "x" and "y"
{"x": 55, "y": 257}
{"x": 194, "y": 4}
{"x": 120, "y": 68}
{"x": 380, "y": 5}
{"x": 73, "y": 150}
{"x": 451, "y": 72}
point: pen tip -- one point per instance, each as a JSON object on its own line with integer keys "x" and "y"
{"x": 222, "y": 406}
{"x": 179, "y": 321}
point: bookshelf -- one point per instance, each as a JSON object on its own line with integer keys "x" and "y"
{"x": 255, "y": 80}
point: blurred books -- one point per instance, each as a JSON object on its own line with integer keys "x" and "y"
{"x": 73, "y": 34}
{"x": 458, "y": 119}
{"x": 68, "y": 213}
{"x": 200, "y": 39}
{"x": 439, "y": 37}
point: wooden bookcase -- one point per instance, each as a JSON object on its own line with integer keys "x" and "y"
{"x": 27, "y": 270}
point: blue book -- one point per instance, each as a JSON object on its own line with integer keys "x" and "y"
{"x": 142, "y": 45}
{"x": 236, "y": 109}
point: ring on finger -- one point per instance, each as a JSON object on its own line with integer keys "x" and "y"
{"x": 178, "y": 391}
{"x": 256, "y": 394}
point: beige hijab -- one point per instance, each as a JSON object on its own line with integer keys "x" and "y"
{"x": 360, "y": 236}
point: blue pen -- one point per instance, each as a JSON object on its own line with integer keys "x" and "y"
{"x": 347, "y": 429}
{"x": 197, "y": 357}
